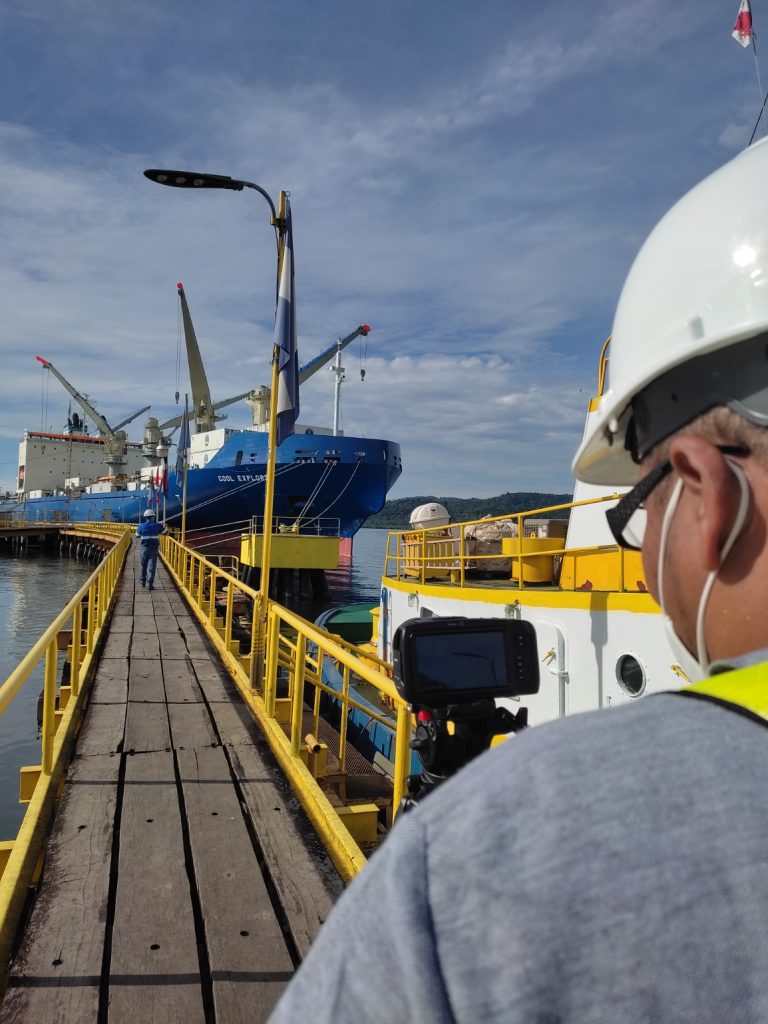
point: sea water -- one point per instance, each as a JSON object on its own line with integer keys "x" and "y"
{"x": 35, "y": 586}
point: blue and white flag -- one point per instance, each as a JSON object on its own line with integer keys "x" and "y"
{"x": 285, "y": 340}
{"x": 183, "y": 445}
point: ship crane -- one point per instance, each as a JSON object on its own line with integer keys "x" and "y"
{"x": 259, "y": 399}
{"x": 203, "y": 411}
{"x": 115, "y": 439}
{"x": 157, "y": 436}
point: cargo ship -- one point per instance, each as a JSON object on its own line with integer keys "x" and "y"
{"x": 327, "y": 483}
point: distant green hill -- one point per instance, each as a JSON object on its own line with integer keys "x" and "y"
{"x": 396, "y": 513}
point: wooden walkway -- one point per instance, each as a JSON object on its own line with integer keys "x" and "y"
{"x": 182, "y": 881}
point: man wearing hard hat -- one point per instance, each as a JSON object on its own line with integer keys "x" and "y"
{"x": 149, "y": 532}
{"x": 612, "y": 867}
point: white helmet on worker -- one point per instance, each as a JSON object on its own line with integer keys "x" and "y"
{"x": 691, "y": 326}
{"x": 149, "y": 514}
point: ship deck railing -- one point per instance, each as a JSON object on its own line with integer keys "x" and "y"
{"x": 519, "y": 557}
{"x": 299, "y": 525}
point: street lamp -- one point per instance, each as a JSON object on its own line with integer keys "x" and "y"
{"x": 191, "y": 179}
{"x": 194, "y": 180}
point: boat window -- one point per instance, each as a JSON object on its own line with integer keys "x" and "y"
{"x": 238, "y": 458}
{"x": 630, "y": 675}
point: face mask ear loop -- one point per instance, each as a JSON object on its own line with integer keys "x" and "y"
{"x": 738, "y": 526}
{"x": 668, "y": 513}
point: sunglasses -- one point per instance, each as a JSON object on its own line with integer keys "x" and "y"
{"x": 627, "y": 519}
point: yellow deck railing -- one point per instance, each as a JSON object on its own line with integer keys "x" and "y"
{"x": 276, "y": 660}
{"x": 77, "y": 628}
{"x": 450, "y": 553}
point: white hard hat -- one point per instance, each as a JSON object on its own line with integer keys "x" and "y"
{"x": 149, "y": 513}
{"x": 689, "y": 331}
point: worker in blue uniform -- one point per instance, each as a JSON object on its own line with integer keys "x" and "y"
{"x": 149, "y": 534}
{"x": 613, "y": 866}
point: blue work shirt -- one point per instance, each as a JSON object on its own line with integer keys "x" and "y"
{"x": 148, "y": 533}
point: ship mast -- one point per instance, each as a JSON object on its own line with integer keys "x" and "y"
{"x": 260, "y": 398}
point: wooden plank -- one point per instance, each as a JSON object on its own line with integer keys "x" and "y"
{"x": 197, "y": 647}
{"x": 110, "y": 684}
{"x": 145, "y": 681}
{"x": 124, "y": 601}
{"x": 181, "y": 682}
{"x": 166, "y": 623}
{"x": 146, "y": 728}
{"x": 145, "y": 645}
{"x": 154, "y": 970}
{"x": 191, "y": 726}
{"x": 103, "y": 730}
{"x": 173, "y": 647}
{"x": 144, "y": 623}
{"x": 306, "y": 881}
{"x": 213, "y": 680}
{"x": 57, "y": 972}
{"x": 117, "y": 645}
{"x": 248, "y": 958}
{"x": 234, "y": 721}
{"x": 122, "y": 622}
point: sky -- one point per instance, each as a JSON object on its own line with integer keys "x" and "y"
{"x": 472, "y": 179}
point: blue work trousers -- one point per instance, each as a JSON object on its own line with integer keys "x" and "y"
{"x": 149, "y": 562}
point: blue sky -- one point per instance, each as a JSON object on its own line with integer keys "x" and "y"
{"x": 472, "y": 179}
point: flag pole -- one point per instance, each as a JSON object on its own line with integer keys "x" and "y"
{"x": 269, "y": 487}
{"x": 184, "y": 484}
{"x": 757, "y": 72}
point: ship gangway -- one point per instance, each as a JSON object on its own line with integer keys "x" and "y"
{"x": 194, "y": 817}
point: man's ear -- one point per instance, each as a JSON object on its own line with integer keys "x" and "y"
{"x": 710, "y": 485}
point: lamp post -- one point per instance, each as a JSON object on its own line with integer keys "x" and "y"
{"x": 194, "y": 180}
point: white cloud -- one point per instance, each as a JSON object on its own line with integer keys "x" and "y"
{"x": 457, "y": 213}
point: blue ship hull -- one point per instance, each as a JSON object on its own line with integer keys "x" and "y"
{"x": 332, "y": 483}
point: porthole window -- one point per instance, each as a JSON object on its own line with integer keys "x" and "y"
{"x": 630, "y": 675}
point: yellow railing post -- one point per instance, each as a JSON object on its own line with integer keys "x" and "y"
{"x": 344, "y": 718}
{"x": 200, "y": 581}
{"x": 212, "y": 578}
{"x": 77, "y": 639}
{"x": 402, "y": 756}
{"x": 228, "y": 615}
{"x": 270, "y": 675}
{"x": 91, "y": 627}
{"x": 297, "y": 694}
{"x": 49, "y": 708}
{"x": 519, "y": 551}
{"x": 462, "y": 556}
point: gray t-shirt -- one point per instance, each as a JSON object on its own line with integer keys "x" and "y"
{"x": 607, "y": 868}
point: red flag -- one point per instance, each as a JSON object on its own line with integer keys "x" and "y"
{"x": 742, "y": 30}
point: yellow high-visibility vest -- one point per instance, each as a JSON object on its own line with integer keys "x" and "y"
{"x": 743, "y": 687}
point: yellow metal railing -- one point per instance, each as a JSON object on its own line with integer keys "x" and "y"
{"x": 445, "y": 552}
{"x": 276, "y": 660}
{"x": 85, "y": 616}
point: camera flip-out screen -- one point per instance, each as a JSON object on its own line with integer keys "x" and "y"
{"x": 458, "y": 660}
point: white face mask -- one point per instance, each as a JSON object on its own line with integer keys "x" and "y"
{"x": 698, "y": 667}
